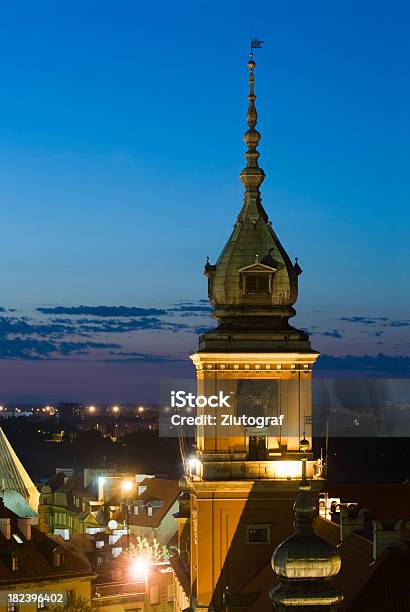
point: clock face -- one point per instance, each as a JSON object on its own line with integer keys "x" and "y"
{"x": 257, "y": 397}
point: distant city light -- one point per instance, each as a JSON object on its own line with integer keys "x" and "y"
{"x": 141, "y": 408}
{"x": 91, "y": 408}
{"x": 1, "y": 408}
{"x": 115, "y": 408}
{"x": 139, "y": 568}
{"x": 101, "y": 480}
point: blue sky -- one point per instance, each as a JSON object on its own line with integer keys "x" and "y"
{"x": 121, "y": 143}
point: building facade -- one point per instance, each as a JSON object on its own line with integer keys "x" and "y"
{"x": 31, "y": 562}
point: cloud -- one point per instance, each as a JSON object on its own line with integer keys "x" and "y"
{"x": 101, "y": 311}
{"x": 334, "y": 333}
{"x": 364, "y": 320}
{"x": 113, "y": 326}
{"x": 379, "y": 365}
{"x": 202, "y": 329}
{"x": 24, "y": 326}
{"x": 32, "y": 348}
{"x": 191, "y": 309}
{"x": 144, "y": 357}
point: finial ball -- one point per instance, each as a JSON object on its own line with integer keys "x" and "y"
{"x": 251, "y": 64}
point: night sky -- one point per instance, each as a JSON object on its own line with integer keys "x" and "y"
{"x": 120, "y": 148}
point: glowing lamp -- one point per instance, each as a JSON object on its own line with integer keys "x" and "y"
{"x": 288, "y": 469}
{"x": 304, "y": 445}
{"x": 139, "y": 568}
{"x": 126, "y": 486}
{"x": 194, "y": 465}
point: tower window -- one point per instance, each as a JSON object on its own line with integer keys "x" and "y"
{"x": 258, "y": 534}
{"x": 257, "y": 283}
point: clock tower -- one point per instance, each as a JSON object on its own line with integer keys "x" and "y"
{"x": 243, "y": 478}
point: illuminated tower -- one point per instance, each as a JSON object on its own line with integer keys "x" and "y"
{"x": 243, "y": 478}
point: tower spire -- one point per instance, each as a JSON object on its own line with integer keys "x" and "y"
{"x": 252, "y": 176}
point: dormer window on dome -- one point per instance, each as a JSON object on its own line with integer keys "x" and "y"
{"x": 257, "y": 279}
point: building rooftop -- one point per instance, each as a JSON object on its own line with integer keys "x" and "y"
{"x": 37, "y": 556}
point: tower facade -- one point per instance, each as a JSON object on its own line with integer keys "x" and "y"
{"x": 244, "y": 475}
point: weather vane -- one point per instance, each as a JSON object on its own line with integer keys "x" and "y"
{"x": 255, "y": 43}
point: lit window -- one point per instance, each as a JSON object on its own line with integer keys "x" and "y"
{"x": 58, "y": 559}
{"x": 15, "y": 563}
{"x": 258, "y": 534}
{"x": 149, "y": 510}
{"x": 100, "y": 560}
{"x": 17, "y": 538}
{"x": 11, "y": 607}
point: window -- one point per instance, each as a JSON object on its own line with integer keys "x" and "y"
{"x": 58, "y": 559}
{"x": 258, "y": 534}
{"x": 149, "y": 510}
{"x": 154, "y": 595}
{"x": 15, "y": 563}
{"x": 41, "y": 605}
{"x": 135, "y": 510}
{"x": 100, "y": 560}
{"x": 17, "y": 538}
{"x": 12, "y": 607}
{"x": 257, "y": 283}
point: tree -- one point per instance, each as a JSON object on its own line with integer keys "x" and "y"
{"x": 154, "y": 551}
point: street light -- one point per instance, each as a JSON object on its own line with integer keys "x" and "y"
{"x": 126, "y": 486}
{"x": 139, "y": 568}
